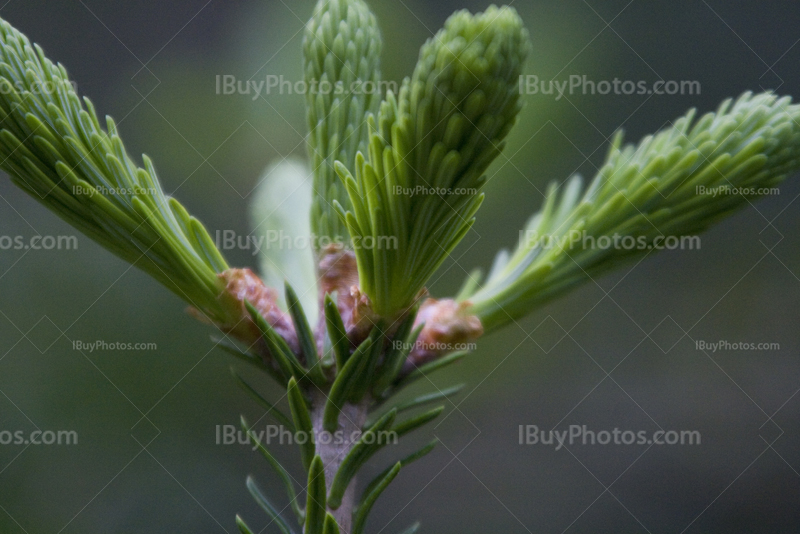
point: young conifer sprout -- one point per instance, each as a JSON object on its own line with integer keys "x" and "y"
{"x": 419, "y": 184}
{"x": 642, "y": 197}
{"x": 341, "y": 49}
{"x": 397, "y": 183}
{"x": 53, "y": 146}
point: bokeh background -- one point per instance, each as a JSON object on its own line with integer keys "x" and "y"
{"x": 618, "y": 353}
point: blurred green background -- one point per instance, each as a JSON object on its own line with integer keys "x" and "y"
{"x": 153, "y": 66}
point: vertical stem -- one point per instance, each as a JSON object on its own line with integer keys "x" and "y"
{"x": 351, "y": 421}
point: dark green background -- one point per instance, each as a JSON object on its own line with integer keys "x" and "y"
{"x": 742, "y": 286}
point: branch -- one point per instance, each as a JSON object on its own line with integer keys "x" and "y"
{"x": 674, "y": 184}
{"x": 53, "y": 147}
{"x": 415, "y": 193}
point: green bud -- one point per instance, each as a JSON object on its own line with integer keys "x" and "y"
{"x": 341, "y": 48}
{"x": 419, "y": 184}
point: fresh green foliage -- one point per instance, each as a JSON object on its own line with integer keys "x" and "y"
{"x": 375, "y": 488}
{"x": 279, "y": 470}
{"x": 415, "y": 192}
{"x": 397, "y": 181}
{"x": 418, "y": 421}
{"x": 302, "y": 421}
{"x": 342, "y": 49}
{"x": 396, "y": 356}
{"x": 331, "y": 527}
{"x": 370, "y": 498}
{"x": 657, "y": 190}
{"x": 243, "y": 528}
{"x": 345, "y": 383}
{"x": 267, "y": 506}
{"x": 308, "y": 344}
{"x": 54, "y": 148}
{"x": 411, "y": 458}
{"x": 279, "y": 349}
{"x": 337, "y": 333}
{"x": 316, "y": 511}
